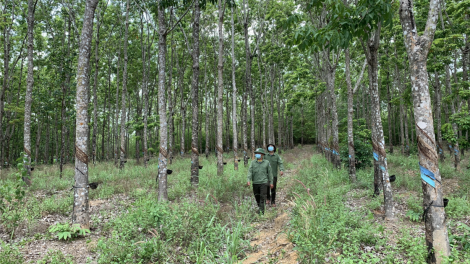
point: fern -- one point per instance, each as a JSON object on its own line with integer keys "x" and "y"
{"x": 67, "y": 231}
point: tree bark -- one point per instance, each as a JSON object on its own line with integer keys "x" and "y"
{"x": 330, "y": 75}
{"x": 378, "y": 142}
{"x": 29, "y": 91}
{"x": 124, "y": 93}
{"x": 417, "y": 48}
{"x": 117, "y": 149}
{"x": 6, "y": 74}
{"x": 271, "y": 107}
{"x": 352, "y": 153}
{"x": 279, "y": 118}
{"x": 145, "y": 93}
{"x": 438, "y": 116}
{"x": 234, "y": 97}
{"x": 389, "y": 112}
{"x": 65, "y": 86}
{"x": 171, "y": 123}
{"x": 455, "y": 148}
{"x": 163, "y": 154}
{"x": 195, "y": 98}
{"x": 81, "y": 207}
{"x": 95, "y": 86}
{"x": 220, "y": 90}
{"x": 38, "y": 140}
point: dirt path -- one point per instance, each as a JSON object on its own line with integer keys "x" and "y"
{"x": 271, "y": 243}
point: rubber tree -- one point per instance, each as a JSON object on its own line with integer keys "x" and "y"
{"x": 381, "y": 177}
{"x": 234, "y": 97}
{"x": 163, "y": 151}
{"x": 417, "y": 48}
{"x": 343, "y": 24}
{"x": 124, "y": 92}
{"x": 195, "y": 97}
{"x": 29, "y": 90}
{"x": 351, "y": 91}
{"x": 80, "y": 214}
{"x": 220, "y": 88}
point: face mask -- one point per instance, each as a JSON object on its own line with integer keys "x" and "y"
{"x": 258, "y": 156}
{"x": 271, "y": 148}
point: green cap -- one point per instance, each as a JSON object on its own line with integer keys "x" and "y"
{"x": 260, "y": 150}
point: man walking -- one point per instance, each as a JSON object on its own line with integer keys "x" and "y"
{"x": 276, "y": 164}
{"x": 260, "y": 174}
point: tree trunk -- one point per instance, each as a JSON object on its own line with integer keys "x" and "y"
{"x": 292, "y": 131}
{"x": 331, "y": 71}
{"x": 234, "y": 98}
{"x": 455, "y": 148}
{"x": 145, "y": 92}
{"x": 271, "y": 107}
{"x": 352, "y": 153}
{"x": 389, "y": 112}
{"x": 417, "y": 48}
{"x": 227, "y": 119}
{"x": 171, "y": 124}
{"x": 38, "y": 140}
{"x": 124, "y": 93}
{"x": 264, "y": 102}
{"x": 95, "y": 86}
{"x": 163, "y": 154}
{"x": 65, "y": 86}
{"x": 301, "y": 125}
{"x": 29, "y": 91}
{"x": 220, "y": 90}
{"x": 207, "y": 118}
{"x": 117, "y": 149}
{"x": 378, "y": 142}
{"x": 6, "y": 67}
{"x": 103, "y": 150}
{"x": 279, "y": 118}
{"x": 438, "y": 103}
{"x": 80, "y": 213}
{"x": 195, "y": 98}
{"x": 402, "y": 111}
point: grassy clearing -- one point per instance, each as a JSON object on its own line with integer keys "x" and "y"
{"x": 335, "y": 221}
{"x": 209, "y": 224}
{"x": 331, "y": 219}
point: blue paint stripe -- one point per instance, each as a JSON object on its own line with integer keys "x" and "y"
{"x": 426, "y": 172}
{"x": 427, "y": 176}
{"x": 428, "y": 181}
{"x": 382, "y": 168}
{"x": 376, "y": 156}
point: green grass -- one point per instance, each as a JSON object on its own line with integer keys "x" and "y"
{"x": 213, "y": 223}
{"x": 208, "y": 224}
{"x": 325, "y": 229}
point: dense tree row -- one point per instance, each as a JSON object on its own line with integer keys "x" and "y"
{"x": 87, "y": 81}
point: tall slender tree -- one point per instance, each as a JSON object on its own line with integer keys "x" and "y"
{"x": 418, "y": 48}
{"x": 80, "y": 213}
{"x": 124, "y": 92}
{"x": 234, "y": 97}
{"x": 220, "y": 90}
{"x": 195, "y": 97}
{"x": 29, "y": 90}
{"x": 351, "y": 91}
{"x": 163, "y": 151}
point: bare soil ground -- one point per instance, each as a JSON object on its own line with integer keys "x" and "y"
{"x": 82, "y": 249}
{"x": 270, "y": 242}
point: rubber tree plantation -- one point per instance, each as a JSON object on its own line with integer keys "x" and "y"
{"x": 139, "y": 131}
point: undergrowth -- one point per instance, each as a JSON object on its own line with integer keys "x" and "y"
{"x": 325, "y": 229}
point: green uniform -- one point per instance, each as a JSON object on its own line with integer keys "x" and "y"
{"x": 260, "y": 172}
{"x": 276, "y": 163}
